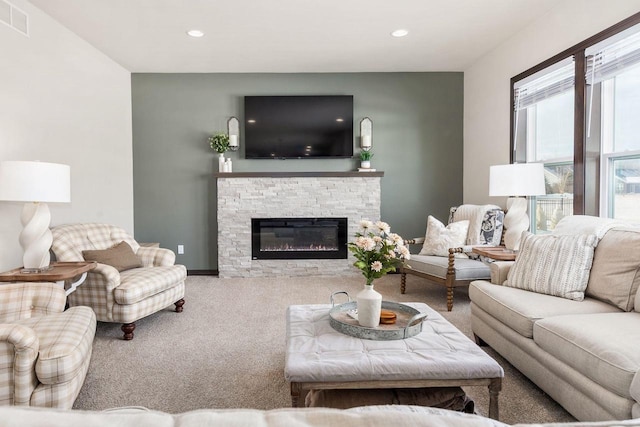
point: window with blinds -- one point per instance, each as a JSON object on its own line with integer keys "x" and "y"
{"x": 583, "y": 127}
{"x": 613, "y": 107}
{"x": 543, "y": 132}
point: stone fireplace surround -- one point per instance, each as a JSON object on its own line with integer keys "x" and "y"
{"x": 246, "y": 195}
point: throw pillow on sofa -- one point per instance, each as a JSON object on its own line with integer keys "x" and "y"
{"x": 120, "y": 256}
{"x": 439, "y": 238}
{"x": 554, "y": 265}
{"x": 615, "y": 274}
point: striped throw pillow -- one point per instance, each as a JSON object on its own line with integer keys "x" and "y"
{"x": 554, "y": 265}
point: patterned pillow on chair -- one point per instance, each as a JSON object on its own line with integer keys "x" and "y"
{"x": 492, "y": 227}
{"x": 485, "y": 223}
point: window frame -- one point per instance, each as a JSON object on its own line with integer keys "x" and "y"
{"x": 586, "y": 192}
{"x": 607, "y": 191}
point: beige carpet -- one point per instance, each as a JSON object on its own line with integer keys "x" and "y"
{"x": 226, "y": 350}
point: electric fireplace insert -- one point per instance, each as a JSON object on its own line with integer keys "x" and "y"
{"x": 299, "y": 238}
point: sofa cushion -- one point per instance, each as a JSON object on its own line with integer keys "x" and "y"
{"x": 604, "y": 346}
{"x": 66, "y": 340}
{"x": 585, "y": 224}
{"x": 466, "y": 269}
{"x": 141, "y": 283}
{"x": 70, "y": 240}
{"x": 438, "y": 238}
{"x": 615, "y": 274}
{"x": 520, "y": 310}
{"x": 635, "y": 387}
{"x": 367, "y": 416}
{"x": 119, "y": 256}
{"x": 554, "y": 265}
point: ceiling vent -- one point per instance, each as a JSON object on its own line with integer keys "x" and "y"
{"x": 14, "y": 17}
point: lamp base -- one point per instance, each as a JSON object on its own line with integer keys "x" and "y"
{"x": 35, "y": 237}
{"x": 516, "y": 221}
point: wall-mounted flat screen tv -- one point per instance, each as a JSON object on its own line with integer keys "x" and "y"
{"x": 298, "y": 127}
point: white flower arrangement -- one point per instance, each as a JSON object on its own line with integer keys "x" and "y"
{"x": 377, "y": 250}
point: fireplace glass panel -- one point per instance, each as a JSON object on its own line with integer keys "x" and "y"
{"x": 299, "y": 238}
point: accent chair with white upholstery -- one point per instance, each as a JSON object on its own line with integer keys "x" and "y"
{"x": 456, "y": 265}
{"x": 120, "y": 294}
{"x": 44, "y": 350}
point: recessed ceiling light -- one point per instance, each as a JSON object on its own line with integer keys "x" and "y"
{"x": 339, "y": 119}
{"x": 195, "y": 33}
{"x": 251, "y": 121}
{"x": 400, "y": 33}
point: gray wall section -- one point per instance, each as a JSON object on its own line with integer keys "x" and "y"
{"x": 417, "y": 142}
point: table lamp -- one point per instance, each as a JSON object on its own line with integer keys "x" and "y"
{"x": 517, "y": 181}
{"x": 35, "y": 183}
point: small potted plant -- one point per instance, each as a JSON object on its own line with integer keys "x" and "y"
{"x": 365, "y": 159}
{"x": 220, "y": 143}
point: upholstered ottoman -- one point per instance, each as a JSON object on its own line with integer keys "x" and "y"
{"x": 321, "y": 358}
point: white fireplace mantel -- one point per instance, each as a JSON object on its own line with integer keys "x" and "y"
{"x": 246, "y": 195}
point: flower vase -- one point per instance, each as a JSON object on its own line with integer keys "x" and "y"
{"x": 369, "y": 303}
{"x": 220, "y": 162}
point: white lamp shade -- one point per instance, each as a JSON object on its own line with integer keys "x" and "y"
{"x": 22, "y": 181}
{"x": 520, "y": 179}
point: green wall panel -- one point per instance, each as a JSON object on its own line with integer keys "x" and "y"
{"x": 417, "y": 142}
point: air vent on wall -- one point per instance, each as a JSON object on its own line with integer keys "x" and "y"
{"x": 14, "y": 17}
{"x": 5, "y": 12}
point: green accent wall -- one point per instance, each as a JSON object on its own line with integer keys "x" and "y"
{"x": 417, "y": 142}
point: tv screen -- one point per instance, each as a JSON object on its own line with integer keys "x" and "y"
{"x": 298, "y": 127}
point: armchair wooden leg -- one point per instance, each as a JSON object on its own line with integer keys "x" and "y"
{"x": 128, "y": 328}
{"x": 451, "y": 276}
{"x": 403, "y": 282}
{"x": 179, "y": 305}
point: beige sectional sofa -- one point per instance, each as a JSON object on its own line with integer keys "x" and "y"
{"x": 584, "y": 353}
{"x": 368, "y": 416}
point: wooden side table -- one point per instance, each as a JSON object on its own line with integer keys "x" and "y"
{"x": 59, "y": 272}
{"x": 499, "y": 253}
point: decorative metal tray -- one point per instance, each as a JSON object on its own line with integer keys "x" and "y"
{"x": 343, "y": 318}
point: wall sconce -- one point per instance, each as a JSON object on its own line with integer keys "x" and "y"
{"x": 233, "y": 130}
{"x": 366, "y": 132}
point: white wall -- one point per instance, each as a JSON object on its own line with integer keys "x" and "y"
{"x": 63, "y": 101}
{"x": 487, "y": 81}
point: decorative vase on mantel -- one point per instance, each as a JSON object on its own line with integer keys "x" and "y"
{"x": 220, "y": 162}
{"x": 369, "y": 304}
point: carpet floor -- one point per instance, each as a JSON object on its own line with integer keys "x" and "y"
{"x": 226, "y": 350}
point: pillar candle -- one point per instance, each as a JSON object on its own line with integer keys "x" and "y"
{"x": 233, "y": 140}
{"x": 366, "y": 140}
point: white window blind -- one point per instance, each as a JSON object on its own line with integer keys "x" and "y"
{"x": 544, "y": 84}
{"x": 613, "y": 56}
{"x": 553, "y": 80}
{"x": 609, "y": 58}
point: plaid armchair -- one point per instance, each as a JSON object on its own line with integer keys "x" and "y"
{"x": 44, "y": 351}
{"x": 461, "y": 266}
{"x": 125, "y": 296}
